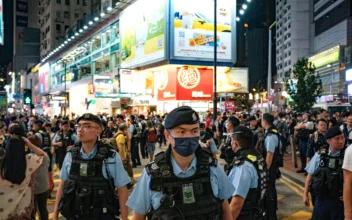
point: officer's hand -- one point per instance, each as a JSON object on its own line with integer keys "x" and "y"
{"x": 306, "y": 200}
{"x": 208, "y": 144}
{"x": 59, "y": 144}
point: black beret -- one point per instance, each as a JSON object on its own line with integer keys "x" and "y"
{"x": 181, "y": 115}
{"x": 90, "y": 117}
{"x": 234, "y": 121}
{"x": 64, "y": 123}
{"x": 268, "y": 118}
{"x": 201, "y": 125}
{"x": 242, "y": 129}
{"x": 38, "y": 122}
{"x": 252, "y": 118}
{"x": 332, "y": 132}
{"x": 345, "y": 114}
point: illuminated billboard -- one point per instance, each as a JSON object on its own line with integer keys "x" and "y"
{"x": 142, "y": 28}
{"x": 192, "y": 30}
{"x": 1, "y": 24}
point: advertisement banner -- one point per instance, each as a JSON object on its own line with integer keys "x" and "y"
{"x": 142, "y": 28}
{"x": 106, "y": 87}
{"x": 230, "y": 106}
{"x": 44, "y": 78}
{"x": 232, "y": 80}
{"x": 1, "y": 24}
{"x": 136, "y": 82}
{"x": 194, "y": 84}
{"x": 165, "y": 83}
{"x": 193, "y": 29}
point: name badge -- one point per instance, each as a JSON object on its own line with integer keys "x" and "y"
{"x": 332, "y": 163}
{"x": 83, "y": 169}
{"x": 188, "y": 194}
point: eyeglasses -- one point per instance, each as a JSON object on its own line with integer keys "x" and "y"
{"x": 84, "y": 127}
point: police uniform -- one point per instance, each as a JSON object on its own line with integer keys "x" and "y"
{"x": 315, "y": 143}
{"x": 90, "y": 181}
{"x": 165, "y": 191}
{"x": 326, "y": 183}
{"x": 68, "y": 139}
{"x": 249, "y": 177}
{"x": 46, "y": 142}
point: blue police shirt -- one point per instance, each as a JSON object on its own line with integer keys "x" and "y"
{"x": 243, "y": 178}
{"x": 313, "y": 164}
{"x": 73, "y": 137}
{"x": 271, "y": 142}
{"x": 143, "y": 197}
{"x": 115, "y": 167}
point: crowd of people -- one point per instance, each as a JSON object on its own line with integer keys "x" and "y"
{"x": 97, "y": 154}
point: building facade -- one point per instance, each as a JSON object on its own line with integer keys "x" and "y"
{"x": 292, "y": 34}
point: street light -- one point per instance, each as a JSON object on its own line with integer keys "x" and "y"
{"x": 241, "y": 11}
{"x": 244, "y": 6}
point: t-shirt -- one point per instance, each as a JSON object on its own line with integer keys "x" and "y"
{"x": 120, "y": 139}
{"x": 347, "y": 162}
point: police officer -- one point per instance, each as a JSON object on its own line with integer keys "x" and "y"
{"x": 317, "y": 140}
{"x": 183, "y": 182}
{"x": 89, "y": 175}
{"x": 63, "y": 140}
{"x": 252, "y": 123}
{"x": 206, "y": 140}
{"x": 325, "y": 178}
{"x": 44, "y": 136}
{"x": 248, "y": 176}
{"x": 226, "y": 150}
{"x": 273, "y": 160}
{"x": 134, "y": 136}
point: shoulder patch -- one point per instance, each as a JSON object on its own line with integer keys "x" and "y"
{"x": 252, "y": 157}
{"x": 323, "y": 151}
{"x": 274, "y": 130}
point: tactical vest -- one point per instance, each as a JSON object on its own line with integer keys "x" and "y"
{"x": 93, "y": 195}
{"x": 327, "y": 180}
{"x": 303, "y": 133}
{"x": 278, "y": 155}
{"x": 227, "y": 154}
{"x": 188, "y": 198}
{"x": 66, "y": 139}
{"x": 255, "y": 196}
{"x": 46, "y": 140}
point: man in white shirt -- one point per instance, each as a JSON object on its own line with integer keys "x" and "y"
{"x": 346, "y": 129}
{"x": 347, "y": 186}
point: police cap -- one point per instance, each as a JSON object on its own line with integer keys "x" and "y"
{"x": 90, "y": 117}
{"x": 37, "y": 122}
{"x": 332, "y": 132}
{"x": 252, "y": 118}
{"x": 181, "y": 115}
{"x": 242, "y": 129}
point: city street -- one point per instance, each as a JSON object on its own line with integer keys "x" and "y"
{"x": 289, "y": 188}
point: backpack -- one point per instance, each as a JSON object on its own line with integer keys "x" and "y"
{"x": 112, "y": 141}
{"x": 281, "y": 126}
{"x": 152, "y": 136}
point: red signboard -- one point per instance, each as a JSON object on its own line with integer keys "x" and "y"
{"x": 184, "y": 84}
{"x": 165, "y": 82}
{"x": 230, "y": 106}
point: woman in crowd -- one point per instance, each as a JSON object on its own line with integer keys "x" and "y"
{"x": 151, "y": 138}
{"x": 16, "y": 182}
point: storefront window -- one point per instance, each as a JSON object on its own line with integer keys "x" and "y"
{"x": 96, "y": 42}
{"x": 84, "y": 71}
{"x": 115, "y": 59}
{"x": 115, "y": 32}
{"x": 102, "y": 65}
{"x": 106, "y": 37}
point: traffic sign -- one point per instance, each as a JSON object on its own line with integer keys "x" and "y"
{"x": 17, "y": 96}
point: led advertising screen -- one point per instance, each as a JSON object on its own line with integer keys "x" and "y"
{"x": 192, "y": 30}
{"x": 106, "y": 87}
{"x": 1, "y": 24}
{"x": 44, "y": 78}
{"x": 142, "y": 28}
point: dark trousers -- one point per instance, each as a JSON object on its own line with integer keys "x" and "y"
{"x": 302, "y": 144}
{"x": 135, "y": 152}
{"x": 40, "y": 201}
{"x": 271, "y": 195}
{"x": 60, "y": 156}
{"x": 142, "y": 145}
{"x": 326, "y": 208}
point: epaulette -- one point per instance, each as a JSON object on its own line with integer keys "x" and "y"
{"x": 274, "y": 130}
{"x": 252, "y": 158}
{"x": 152, "y": 168}
{"x": 323, "y": 151}
{"x": 105, "y": 151}
{"x": 238, "y": 161}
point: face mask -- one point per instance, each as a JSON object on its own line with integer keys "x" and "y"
{"x": 186, "y": 146}
{"x": 202, "y": 133}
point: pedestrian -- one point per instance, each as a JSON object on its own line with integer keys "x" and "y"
{"x": 160, "y": 130}
{"x": 303, "y": 131}
{"x": 248, "y": 170}
{"x": 166, "y": 187}
{"x": 3, "y": 135}
{"x": 41, "y": 186}
{"x": 252, "y": 123}
{"x": 16, "y": 169}
{"x": 207, "y": 140}
{"x": 347, "y": 183}
{"x": 112, "y": 127}
{"x": 106, "y": 131}
{"x": 150, "y": 137}
{"x": 63, "y": 140}
{"x": 134, "y": 136}
{"x": 346, "y": 129}
{"x": 142, "y": 143}
{"x": 226, "y": 151}
{"x": 273, "y": 160}
{"x": 324, "y": 180}
{"x": 89, "y": 175}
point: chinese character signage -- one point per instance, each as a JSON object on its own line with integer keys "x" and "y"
{"x": 142, "y": 28}
{"x": 184, "y": 83}
{"x": 192, "y": 30}
{"x": 232, "y": 80}
{"x": 1, "y": 24}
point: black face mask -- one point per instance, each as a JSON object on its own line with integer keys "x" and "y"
{"x": 186, "y": 146}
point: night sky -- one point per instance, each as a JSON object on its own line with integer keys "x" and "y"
{"x": 6, "y": 51}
